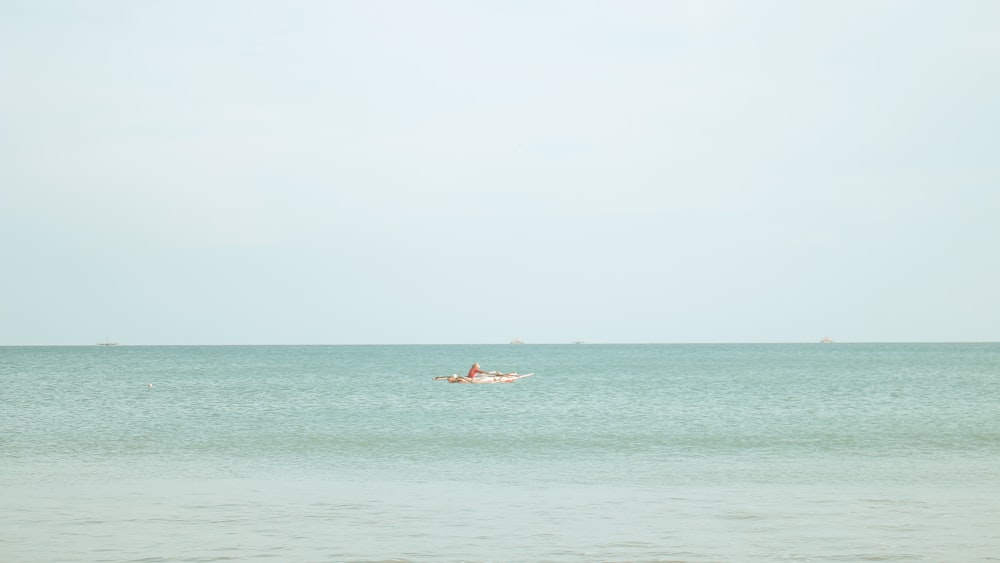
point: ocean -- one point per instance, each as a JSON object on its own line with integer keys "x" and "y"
{"x": 652, "y": 452}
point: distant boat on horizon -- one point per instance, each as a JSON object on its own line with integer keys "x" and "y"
{"x": 826, "y": 340}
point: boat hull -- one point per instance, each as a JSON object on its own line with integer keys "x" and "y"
{"x": 484, "y": 379}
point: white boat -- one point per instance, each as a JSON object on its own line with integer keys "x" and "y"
{"x": 484, "y": 379}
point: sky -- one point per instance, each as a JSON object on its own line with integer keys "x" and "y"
{"x": 391, "y": 172}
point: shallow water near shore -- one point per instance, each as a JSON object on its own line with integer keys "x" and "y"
{"x": 808, "y": 452}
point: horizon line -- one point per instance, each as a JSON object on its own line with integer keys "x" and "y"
{"x": 515, "y": 344}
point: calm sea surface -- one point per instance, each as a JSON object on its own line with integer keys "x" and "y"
{"x": 807, "y": 452}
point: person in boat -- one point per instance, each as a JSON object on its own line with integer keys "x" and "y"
{"x": 476, "y": 370}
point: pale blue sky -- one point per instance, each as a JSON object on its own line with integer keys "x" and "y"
{"x": 250, "y": 172}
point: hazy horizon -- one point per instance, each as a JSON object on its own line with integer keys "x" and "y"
{"x": 567, "y": 343}
{"x": 249, "y": 172}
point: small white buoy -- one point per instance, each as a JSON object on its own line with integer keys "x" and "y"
{"x": 150, "y": 384}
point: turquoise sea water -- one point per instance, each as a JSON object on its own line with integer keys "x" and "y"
{"x": 798, "y": 452}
